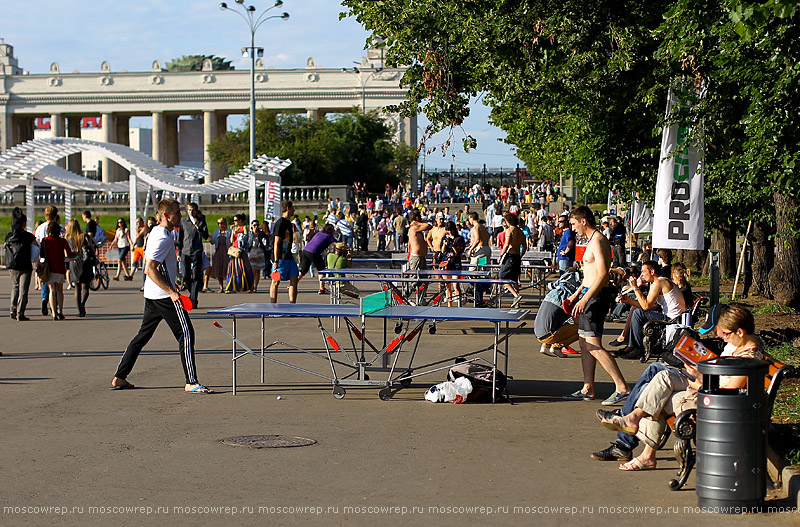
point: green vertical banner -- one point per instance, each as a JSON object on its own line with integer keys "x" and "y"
{"x": 679, "y": 203}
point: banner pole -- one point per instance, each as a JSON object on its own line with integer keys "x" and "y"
{"x": 741, "y": 260}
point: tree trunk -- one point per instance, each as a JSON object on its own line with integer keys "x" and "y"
{"x": 784, "y": 279}
{"x": 693, "y": 260}
{"x": 724, "y": 239}
{"x": 763, "y": 257}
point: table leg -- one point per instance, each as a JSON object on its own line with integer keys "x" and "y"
{"x": 494, "y": 361}
{"x": 234, "y": 355}
{"x": 262, "y": 349}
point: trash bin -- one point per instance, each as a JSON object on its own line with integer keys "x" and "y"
{"x": 732, "y": 437}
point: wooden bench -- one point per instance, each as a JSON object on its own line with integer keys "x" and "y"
{"x": 684, "y": 426}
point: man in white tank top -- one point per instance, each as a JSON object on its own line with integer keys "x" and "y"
{"x": 662, "y": 292}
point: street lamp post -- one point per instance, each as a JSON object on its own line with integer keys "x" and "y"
{"x": 355, "y": 70}
{"x": 253, "y": 23}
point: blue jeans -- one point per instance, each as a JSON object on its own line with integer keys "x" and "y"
{"x": 639, "y": 318}
{"x": 563, "y": 264}
{"x": 45, "y": 291}
{"x": 628, "y": 441}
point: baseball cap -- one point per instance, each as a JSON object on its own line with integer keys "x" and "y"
{"x": 712, "y": 318}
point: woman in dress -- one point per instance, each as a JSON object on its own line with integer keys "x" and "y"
{"x": 122, "y": 239}
{"x": 453, "y": 246}
{"x": 81, "y": 268}
{"x": 53, "y": 250}
{"x": 259, "y": 240}
{"x": 510, "y": 257}
{"x": 240, "y": 274}
{"x": 221, "y": 238}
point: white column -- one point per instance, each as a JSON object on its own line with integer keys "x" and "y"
{"x": 57, "y": 130}
{"x": 158, "y": 136}
{"x": 108, "y": 132}
{"x": 29, "y": 203}
{"x": 67, "y": 205}
{"x": 312, "y": 114}
{"x": 209, "y": 134}
{"x": 132, "y": 198}
{"x": 252, "y": 195}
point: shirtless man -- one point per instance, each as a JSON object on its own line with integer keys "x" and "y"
{"x": 435, "y": 237}
{"x": 592, "y": 308}
{"x": 417, "y": 247}
{"x": 480, "y": 245}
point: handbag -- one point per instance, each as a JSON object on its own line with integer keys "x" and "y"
{"x": 43, "y": 269}
{"x": 234, "y": 252}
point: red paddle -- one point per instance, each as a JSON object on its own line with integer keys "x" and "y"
{"x": 186, "y": 302}
{"x": 276, "y": 276}
{"x": 566, "y": 305}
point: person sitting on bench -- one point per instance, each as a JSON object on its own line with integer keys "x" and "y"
{"x": 672, "y": 392}
{"x": 663, "y": 293}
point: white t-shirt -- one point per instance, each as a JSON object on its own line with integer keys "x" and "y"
{"x": 160, "y": 247}
{"x": 122, "y": 238}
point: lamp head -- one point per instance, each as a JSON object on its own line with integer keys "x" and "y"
{"x": 251, "y": 8}
{"x": 284, "y": 16}
{"x": 239, "y": 1}
{"x": 278, "y": 3}
{"x": 223, "y": 5}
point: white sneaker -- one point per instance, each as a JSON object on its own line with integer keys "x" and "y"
{"x": 547, "y": 350}
{"x": 517, "y": 300}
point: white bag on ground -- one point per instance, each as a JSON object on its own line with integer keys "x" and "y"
{"x": 455, "y": 392}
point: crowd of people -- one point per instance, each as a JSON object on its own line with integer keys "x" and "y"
{"x": 595, "y": 285}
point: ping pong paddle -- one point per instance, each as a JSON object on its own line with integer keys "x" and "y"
{"x": 276, "y": 276}
{"x": 186, "y": 302}
{"x": 566, "y": 305}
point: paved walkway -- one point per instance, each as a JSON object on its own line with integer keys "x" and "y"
{"x": 152, "y": 456}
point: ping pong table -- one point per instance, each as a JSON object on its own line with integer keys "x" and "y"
{"x": 355, "y": 360}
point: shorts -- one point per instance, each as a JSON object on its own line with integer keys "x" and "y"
{"x": 510, "y": 268}
{"x": 592, "y": 320}
{"x": 288, "y": 269}
{"x": 484, "y": 252}
{"x": 123, "y": 252}
{"x": 417, "y": 262}
{"x": 308, "y": 259}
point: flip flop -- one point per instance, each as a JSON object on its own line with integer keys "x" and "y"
{"x": 617, "y": 424}
{"x": 199, "y": 387}
{"x": 635, "y": 465}
{"x": 126, "y": 386}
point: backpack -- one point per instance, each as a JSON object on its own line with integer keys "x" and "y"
{"x": 480, "y": 375}
{"x": 88, "y": 254}
{"x": 16, "y": 256}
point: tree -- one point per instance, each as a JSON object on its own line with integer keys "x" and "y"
{"x": 572, "y": 83}
{"x": 335, "y": 151}
{"x": 750, "y": 116}
{"x": 195, "y": 63}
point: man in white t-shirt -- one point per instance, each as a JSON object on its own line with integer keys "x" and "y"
{"x": 162, "y": 302}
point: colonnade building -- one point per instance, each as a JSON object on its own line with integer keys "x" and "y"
{"x": 165, "y": 96}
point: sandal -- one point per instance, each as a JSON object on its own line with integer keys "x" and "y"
{"x": 635, "y": 465}
{"x": 617, "y": 424}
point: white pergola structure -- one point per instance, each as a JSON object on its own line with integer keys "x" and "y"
{"x": 35, "y": 161}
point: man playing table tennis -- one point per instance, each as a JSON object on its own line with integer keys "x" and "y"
{"x": 162, "y": 302}
{"x": 417, "y": 246}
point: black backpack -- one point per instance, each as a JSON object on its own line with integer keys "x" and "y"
{"x": 17, "y": 253}
{"x": 480, "y": 375}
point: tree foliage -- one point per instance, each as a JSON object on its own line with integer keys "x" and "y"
{"x": 580, "y": 88}
{"x": 195, "y": 63}
{"x": 337, "y": 150}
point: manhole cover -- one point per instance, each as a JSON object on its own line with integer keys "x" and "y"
{"x": 269, "y": 441}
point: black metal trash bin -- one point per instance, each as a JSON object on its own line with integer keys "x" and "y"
{"x": 732, "y": 437}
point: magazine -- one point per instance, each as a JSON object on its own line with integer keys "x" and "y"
{"x": 691, "y": 351}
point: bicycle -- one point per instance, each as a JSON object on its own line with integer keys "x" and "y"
{"x": 100, "y": 276}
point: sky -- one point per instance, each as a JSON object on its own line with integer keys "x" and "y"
{"x": 131, "y": 34}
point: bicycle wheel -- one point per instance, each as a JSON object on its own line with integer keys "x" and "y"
{"x": 103, "y": 274}
{"x": 94, "y": 285}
